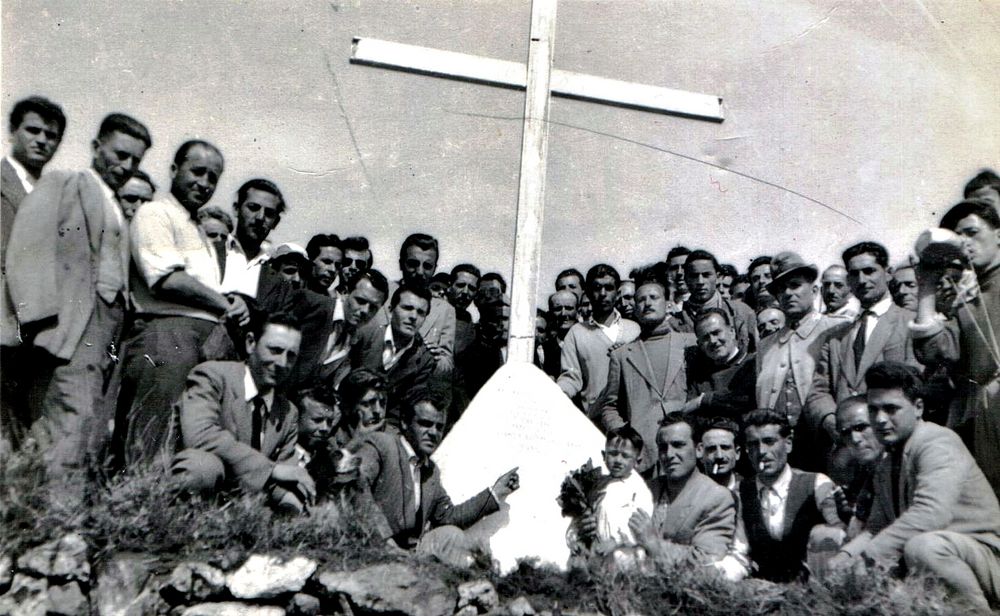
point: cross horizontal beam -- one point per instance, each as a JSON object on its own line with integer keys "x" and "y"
{"x": 567, "y": 84}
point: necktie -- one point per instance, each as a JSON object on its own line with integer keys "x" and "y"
{"x": 257, "y": 424}
{"x": 859, "y": 339}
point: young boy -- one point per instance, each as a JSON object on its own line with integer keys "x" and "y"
{"x": 626, "y": 493}
{"x": 319, "y": 419}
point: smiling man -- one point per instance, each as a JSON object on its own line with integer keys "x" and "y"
{"x": 176, "y": 291}
{"x": 397, "y": 351}
{"x": 67, "y": 274}
{"x": 584, "y": 355}
{"x": 237, "y": 428}
{"x": 947, "y": 520}
{"x": 721, "y": 375}
{"x": 701, "y": 270}
{"x": 407, "y": 486}
{"x": 694, "y": 518}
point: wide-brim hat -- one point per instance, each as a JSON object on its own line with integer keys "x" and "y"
{"x": 784, "y": 265}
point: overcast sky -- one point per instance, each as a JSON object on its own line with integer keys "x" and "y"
{"x": 878, "y": 111}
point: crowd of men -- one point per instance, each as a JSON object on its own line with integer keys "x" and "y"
{"x": 145, "y": 326}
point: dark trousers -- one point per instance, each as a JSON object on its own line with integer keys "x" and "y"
{"x": 157, "y": 357}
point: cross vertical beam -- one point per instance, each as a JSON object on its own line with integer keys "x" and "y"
{"x": 531, "y": 193}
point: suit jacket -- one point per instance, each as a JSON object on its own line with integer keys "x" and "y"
{"x": 728, "y": 391}
{"x": 698, "y": 527}
{"x": 215, "y": 417}
{"x": 385, "y": 466}
{"x": 803, "y": 345}
{"x": 11, "y": 194}
{"x": 438, "y": 327}
{"x": 52, "y": 259}
{"x": 940, "y": 488}
{"x": 639, "y": 397}
{"x": 414, "y": 371}
{"x": 837, "y": 377}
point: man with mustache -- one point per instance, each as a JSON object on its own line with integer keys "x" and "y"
{"x": 881, "y": 333}
{"x": 701, "y": 270}
{"x": 721, "y": 374}
{"x": 782, "y": 505}
{"x": 584, "y": 356}
{"x": 67, "y": 275}
{"x": 179, "y": 305}
{"x": 647, "y": 378}
{"x": 837, "y": 298}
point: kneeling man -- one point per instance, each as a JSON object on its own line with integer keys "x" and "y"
{"x": 407, "y": 486}
{"x": 947, "y": 518}
{"x": 237, "y": 428}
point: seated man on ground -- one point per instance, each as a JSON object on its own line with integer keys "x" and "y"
{"x": 784, "y": 508}
{"x": 320, "y": 418}
{"x": 407, "y": 486}
{"x": 853, "y": 465}
{"x": 694, "y": 518}
{"x": 238, "y": 429}
{"x": 947, "y": 518}
{"x": 363, "y": 400}
{"x": 718, "y": 453}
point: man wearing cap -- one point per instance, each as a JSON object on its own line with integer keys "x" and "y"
{"x": 880, "y": 333}
{"x": 786, "y": 361}
{"x": 290, "y": 262}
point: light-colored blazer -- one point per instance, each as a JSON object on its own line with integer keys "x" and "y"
{"x": 52, "y": 258}
{"x": 940, "y": 488}
{"x": 838, "y": 378}
{"x": 11, "y": 194}
{"x": 215, "y": 417}
{"x": 635, "y": 396}
{"x": 698, "y": 527}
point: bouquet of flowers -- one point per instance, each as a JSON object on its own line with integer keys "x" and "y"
{"x": 581, "y": 490}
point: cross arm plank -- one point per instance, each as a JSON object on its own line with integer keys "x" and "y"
{"x": 567, "y": 84}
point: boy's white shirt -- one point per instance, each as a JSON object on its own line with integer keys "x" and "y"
{"x": 622, "y": 498}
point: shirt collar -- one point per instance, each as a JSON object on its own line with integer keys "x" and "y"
{"x": 22, "y": 173}
{"x": 233, "y": 245}
{"x": 616, "y": 318}
{"x": 781, "y": 484}
{"x": 806, "y": 326}
{"x": 388, "y": 340}
{"x": 882, "y": 306}
{"x": 250, "y": 391}
{"x": 410, "y": 454}
{"x": 338, "y": 313}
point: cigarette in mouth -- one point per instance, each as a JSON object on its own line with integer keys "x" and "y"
{"x": 716, "y": 468}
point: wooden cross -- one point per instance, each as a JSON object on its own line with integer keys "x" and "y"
{"x": 540, "y": 81}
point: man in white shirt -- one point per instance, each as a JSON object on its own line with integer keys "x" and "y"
{"x": 259, "y": 205}
{"x": 837, "y": 298}
{"x": 782, "y": 505}
{"x": 179, "y": 305}
{"x": 67, "y": 274}
{"x": 36, "y": 129}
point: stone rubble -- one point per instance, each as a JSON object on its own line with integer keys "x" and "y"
{"x": 266, "y": 577}
{"x": 393, "y": 588}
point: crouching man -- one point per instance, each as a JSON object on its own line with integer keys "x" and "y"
{"x": 407, "y": 486}
{"x": 946, "y": 516}
{"x": 237, "y": 428}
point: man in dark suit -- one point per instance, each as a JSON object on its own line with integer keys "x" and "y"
{"x": 396, "y": 350}
{"x": 881, "y": 332}
{"x": 946, "y": 517}
{"x": 407, "y": 486}
{"x": 36, "y": 128}
{"x": 67, "y": 274}
{"x": 237, "y": 428}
